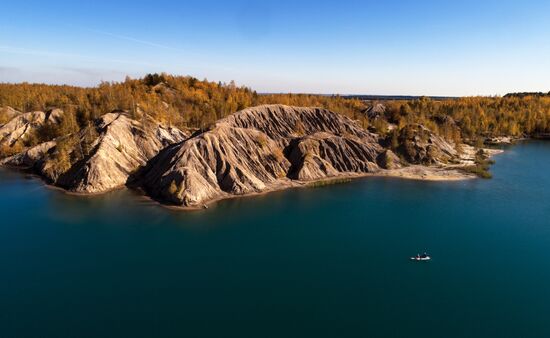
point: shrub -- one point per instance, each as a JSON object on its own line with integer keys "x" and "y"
{"x": 481, "y": 166}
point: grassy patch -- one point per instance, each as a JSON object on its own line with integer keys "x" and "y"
{"x": 325, "y": 183}
{"x": 478, "y": 170}
{"x": 481, "y": 166}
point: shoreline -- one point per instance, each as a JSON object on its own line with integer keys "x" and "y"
{"x": 436, "y": 173}
{"x": 423, "y": 173}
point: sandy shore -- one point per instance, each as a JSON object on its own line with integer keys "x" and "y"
{"x": 443, "y": 172}
{"x": 423, "y": 173}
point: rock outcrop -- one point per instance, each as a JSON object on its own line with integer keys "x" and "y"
{"x": 6, "y": 114}
{"x": 323, "y": 155}
{"x": 224, "y": 160}
{"x": 259, "y": 149}
{"x": 388, "y": 160}
{"x": 101, "y": 157}
{"x": 30, "y": 158}
{"x": 375, "y": 111}
{"x": 419, "y": 145}
{"x": 284, "y": 123}
{"x": 499, "y": 140}
{"x": 23, "y": 125}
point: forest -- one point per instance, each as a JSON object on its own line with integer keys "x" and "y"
{"x": 187, "y": 102}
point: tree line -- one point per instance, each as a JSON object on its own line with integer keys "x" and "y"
{"x": 187, "y": 102}
{"x": 476, "y": 116}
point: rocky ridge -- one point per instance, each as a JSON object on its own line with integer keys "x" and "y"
{"x": 99, "y": 158}
{"x": 258, "y": 149}
{"x": 252, "y": 151}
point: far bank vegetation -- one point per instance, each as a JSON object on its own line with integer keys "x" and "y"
{"x": 186, "y": 102}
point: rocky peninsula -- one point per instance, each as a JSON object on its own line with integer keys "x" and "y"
{"x": 255, "y": 150}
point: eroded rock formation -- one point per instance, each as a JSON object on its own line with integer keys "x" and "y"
{"x": 23, "y": 125}
{"x": 255, "y": 150}
{"x": 258, "y": 149}
{"x": 99, "y": 158}
{"x": 419, "y": 145}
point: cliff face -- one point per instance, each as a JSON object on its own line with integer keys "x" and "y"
{"x": 100, "y": 157}
{"x": 257, "y": 149}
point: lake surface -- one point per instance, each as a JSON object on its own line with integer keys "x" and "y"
{"x": 321, "y": 262}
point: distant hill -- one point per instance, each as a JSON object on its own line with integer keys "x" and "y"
{"x": 397, "y": 97}
{"x": 524, "y": 94}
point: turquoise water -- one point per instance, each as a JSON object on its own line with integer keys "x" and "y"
{"x": 323, "y": 262}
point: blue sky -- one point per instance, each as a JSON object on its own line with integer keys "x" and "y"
{"x": 346, "y": 47}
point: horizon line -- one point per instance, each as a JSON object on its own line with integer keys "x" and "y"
{"x": 346, "y": 95}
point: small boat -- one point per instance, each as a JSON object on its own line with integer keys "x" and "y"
{"x": 421, "y": 258}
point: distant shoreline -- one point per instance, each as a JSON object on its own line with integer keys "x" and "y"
{"x": 368, "y": 97}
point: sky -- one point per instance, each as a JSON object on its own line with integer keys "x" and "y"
{"x": 450, "y": 48}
